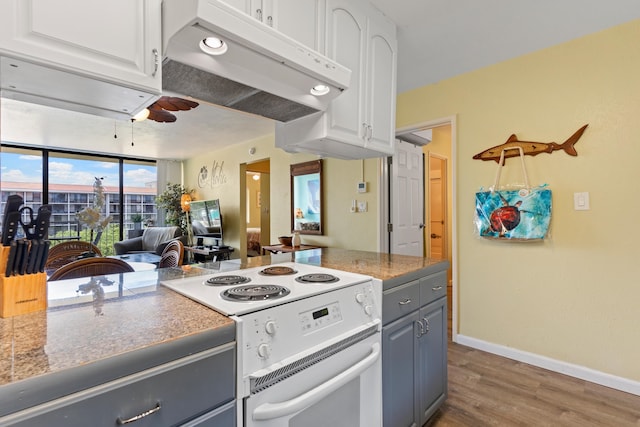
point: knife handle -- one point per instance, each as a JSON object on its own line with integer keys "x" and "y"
{"x": 18, "y": 260}
{"x": 22, "y": 268}
{"x": 11, "y": 259}
{"x": 42, "y": 222}
{"x": 44, "y": 255}
{"x": 34, "y": 250}
{"x": 10, "y": 227}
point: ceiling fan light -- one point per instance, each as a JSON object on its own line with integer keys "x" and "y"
{"x": 319, "y": 90}
{"x": 213, "y": 46}
{"x": 142, "y": 115}
{"x": 256, "y": 177}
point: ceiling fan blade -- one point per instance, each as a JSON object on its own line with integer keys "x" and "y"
{"x": 159, "y": 115}
{"x": 165, "y": 103}
{"x": 183, "y": 104}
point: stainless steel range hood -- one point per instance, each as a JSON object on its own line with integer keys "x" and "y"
{"x": 263, "y": 72}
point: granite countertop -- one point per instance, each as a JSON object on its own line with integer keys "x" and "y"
{"x": 390, "y": 268}
{"x": 89, "y": 320}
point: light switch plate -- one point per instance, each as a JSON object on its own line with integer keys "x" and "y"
{"x": 581, "y": 201}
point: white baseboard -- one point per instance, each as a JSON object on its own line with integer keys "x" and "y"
{"x": 576, "y": 371}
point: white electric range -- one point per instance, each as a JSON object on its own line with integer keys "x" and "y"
{"x": 308, "y": 342}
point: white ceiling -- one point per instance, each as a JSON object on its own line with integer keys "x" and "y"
{"x": 437, "y": 39}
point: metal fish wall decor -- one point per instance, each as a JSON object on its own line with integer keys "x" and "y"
{"x": 531, "y": 148}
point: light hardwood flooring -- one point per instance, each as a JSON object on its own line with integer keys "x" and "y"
{"x": 490, "y": 390}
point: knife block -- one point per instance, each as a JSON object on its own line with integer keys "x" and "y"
{"x": 20, "y": 294}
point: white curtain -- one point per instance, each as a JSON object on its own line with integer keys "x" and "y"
{"x": 169, "y": 172}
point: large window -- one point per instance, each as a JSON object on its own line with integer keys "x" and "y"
{"x": 129, "y": 187}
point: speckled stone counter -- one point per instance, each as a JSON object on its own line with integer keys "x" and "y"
{"x": 128, "y": 322}
{"x": 89, "y": 322}
{"x": 389, "y": 268}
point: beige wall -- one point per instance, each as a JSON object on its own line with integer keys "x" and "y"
{"x": 575, "y": 297}
{"x": 340, "y": 177}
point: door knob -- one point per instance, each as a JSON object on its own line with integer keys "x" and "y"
{"x": 435, "y": 236}
{"x": 420, "y": 226}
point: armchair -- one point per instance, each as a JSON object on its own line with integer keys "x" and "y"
{"x": 153, "y": 239}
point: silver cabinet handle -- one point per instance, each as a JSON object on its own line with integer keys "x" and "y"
{"x": 156, "y": 62}
{"x": 121, "y": 422}
{"x": 426, "y": 325}
{"x": 270, "y": 21}
{"x": 259, "y": 14}
{"x": 421, "y": 331}
{"x": 436, "y": 288}
{"x": 405, "y": 302}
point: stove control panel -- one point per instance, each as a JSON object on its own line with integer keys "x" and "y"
{"x": 270, "y": 337}
{"x": 320, "y": 317}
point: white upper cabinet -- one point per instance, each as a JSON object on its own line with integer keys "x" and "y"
{"x": 380, "y": 83}
{"x": 298, "y": 19}
{"x": 116, "y": 43}
{"x": 360, "y": 123}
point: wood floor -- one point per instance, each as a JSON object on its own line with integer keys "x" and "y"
{"x": 489, "y": 390}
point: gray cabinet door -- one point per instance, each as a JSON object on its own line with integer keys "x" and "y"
{"x": 432, "y": 369}
{"x": 399, "y": 361}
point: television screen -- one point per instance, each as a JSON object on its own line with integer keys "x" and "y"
{"x": 206, "y": 219}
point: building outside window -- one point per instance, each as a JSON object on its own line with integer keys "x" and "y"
{"x": 70, "y": 189}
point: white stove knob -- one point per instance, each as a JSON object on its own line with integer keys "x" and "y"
{"x": 270, "y": 327}
{"x": 368, "y": 310}
{"x": 264, "y": 351}
{"x": 360, "y": 297}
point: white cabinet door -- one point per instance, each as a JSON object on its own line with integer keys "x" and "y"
{"x": 345, "y": 44}
{"x": 360, "y": 123}
{"x": 242, "y": 5}
{"x": 380, "y": 84}
{"x": 116, "y": 41}
{"x": 300, "y": 20}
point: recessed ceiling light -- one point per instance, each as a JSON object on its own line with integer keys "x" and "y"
{"x": 213, "y": 46}
{"x": 319, "y": 90}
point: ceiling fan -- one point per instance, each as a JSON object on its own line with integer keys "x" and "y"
{"x": 159, "y": 110}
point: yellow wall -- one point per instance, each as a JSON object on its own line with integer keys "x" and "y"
{"x": 575, "y": 297}
{"x": 340, "y": 177}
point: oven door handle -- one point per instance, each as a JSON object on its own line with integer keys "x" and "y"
{"x": 268, "y": 411}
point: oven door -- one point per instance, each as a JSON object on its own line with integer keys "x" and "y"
{"x": 342, "y": 390}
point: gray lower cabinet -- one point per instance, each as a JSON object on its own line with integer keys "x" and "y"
{"x": 198, "y": 390}
{"x": 414, "y": 350}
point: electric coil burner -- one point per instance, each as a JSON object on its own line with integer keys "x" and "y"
{"x": 227, "y": 280}
{"x": 317, "y": 278}
{"x": 255, "y": 293}
{"x": 278, "y": 270}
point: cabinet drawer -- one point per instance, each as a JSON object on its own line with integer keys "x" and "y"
{"x": 172, "y": 393}
{"x": 401, "y": 300}
{"x": 433, "y": 287}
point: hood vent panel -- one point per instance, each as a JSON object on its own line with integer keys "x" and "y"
{"x": 214, "y": 89}
{"x": 263, "y": 71}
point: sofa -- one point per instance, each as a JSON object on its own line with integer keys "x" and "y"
{"x": 153, "y": 239}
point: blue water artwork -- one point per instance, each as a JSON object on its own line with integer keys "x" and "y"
{"x": 513, "y": 214}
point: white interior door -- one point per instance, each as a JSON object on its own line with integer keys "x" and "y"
{"x": 407, "y": 200}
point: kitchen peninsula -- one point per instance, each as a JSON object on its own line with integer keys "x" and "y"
{"x": 119, "y": 335}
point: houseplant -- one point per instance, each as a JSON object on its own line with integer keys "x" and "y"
{"x": 92, "y": 217}
{"x": 136, "y": 219}
{"x": 169, "y": 201}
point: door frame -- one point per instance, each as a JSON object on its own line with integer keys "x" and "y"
{"x": 384, "y": 182}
